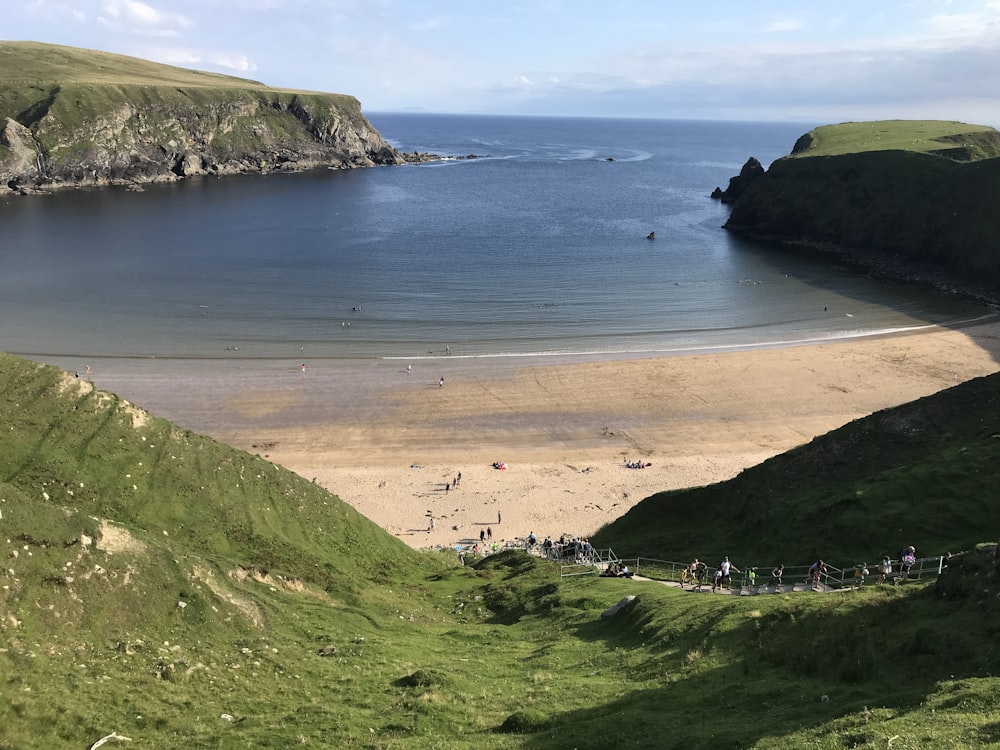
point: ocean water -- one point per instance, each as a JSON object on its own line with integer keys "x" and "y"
{"x": 536, "y": 247}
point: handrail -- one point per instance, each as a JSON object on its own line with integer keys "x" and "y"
{"x": 831, "y": 579}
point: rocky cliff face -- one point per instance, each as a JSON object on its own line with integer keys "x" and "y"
{"x": 78, "y": 135}
{"x": 911, "y": 216}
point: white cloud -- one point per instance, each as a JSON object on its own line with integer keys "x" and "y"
{"x": 191, "y": 58}
{"x": 238, "y": 63}
{"x": 783, "y": 25}
{"x": 138, "y": 17}
{"x": 55, "y": 12}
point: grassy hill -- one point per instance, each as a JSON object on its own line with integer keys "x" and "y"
{"x": 37, "y": 62}
{"x": 958, "y": 141}
{"x": 78, "y": 117}
{"x": 904, "y": 199}
{"x": 161, "y": 586}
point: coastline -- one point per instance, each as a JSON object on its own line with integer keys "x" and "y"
{"x": 388, "y": 440}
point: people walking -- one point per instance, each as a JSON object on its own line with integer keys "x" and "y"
{"x": 884, "y": 571}
{"x": 727, "y": 569}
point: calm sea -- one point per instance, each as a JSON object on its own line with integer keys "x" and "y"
{"x": 538, "y": 246}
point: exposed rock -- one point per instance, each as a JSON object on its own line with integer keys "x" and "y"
{"x": 752, "y": 171}
{"x": 23, "y": 157}
{"x": 148, "y": 134}
{"x": 612, "y": 611}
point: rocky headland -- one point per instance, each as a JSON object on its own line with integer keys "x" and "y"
{"x": 73, "y": 118}
{"x": 912, "y": 201}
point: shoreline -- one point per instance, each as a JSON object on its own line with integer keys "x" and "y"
{"x": 387, "y": 439}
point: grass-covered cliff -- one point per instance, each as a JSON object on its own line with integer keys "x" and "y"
{"x": 160, "y": 587}
{"x": 908, "y": 199}
{"x": 74, "y": 117}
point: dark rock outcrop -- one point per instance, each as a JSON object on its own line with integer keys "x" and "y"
{"x": 751, "y": 172}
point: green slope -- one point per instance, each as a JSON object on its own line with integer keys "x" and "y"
{"x": 953, "y": 140}
{"x": 36, "y": 62}
{"x": 179, "y": 593}
{"x": 74, "y": 460}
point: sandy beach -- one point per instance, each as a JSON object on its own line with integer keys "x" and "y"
{"x": 392, "y": 441}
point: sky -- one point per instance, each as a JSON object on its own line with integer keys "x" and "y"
{"x": 770, "y": 60}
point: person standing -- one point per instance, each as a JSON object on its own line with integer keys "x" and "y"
{"x": 884, "y": 570}
{"x": 906, "y": 561}
{"x": 700, "y": 571}
{"x": 816, "y": 570}
{"x": 727, "y": 569}
{"x": 776, "y": 576}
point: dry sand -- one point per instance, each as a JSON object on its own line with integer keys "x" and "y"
{"x": 391, "y": 442}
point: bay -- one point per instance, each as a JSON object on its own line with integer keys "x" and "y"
{"x": 538, "y": 246}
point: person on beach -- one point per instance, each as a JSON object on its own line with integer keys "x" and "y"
{"x": 482, "y": 535}
{"x": 498, "y": 518}
{"x": 409, "y": 369}
{"x": 489, "y": 533}
{"x": 441, "y": 383}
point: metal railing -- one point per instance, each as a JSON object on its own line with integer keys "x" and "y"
{"x": 793, "y": 578}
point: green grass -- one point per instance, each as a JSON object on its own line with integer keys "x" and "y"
{"x": 158, "y": 584}
{"x": 956, "y": 140}
{"x": 22, "y": 62}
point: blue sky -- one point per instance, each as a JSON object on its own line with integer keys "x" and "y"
{"x": 727, "y": 59}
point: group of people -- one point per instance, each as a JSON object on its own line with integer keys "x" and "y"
{"x": 696, "y": 573}
{"x": 578, "y": 549}
{"x": 636, "y": 464}
{"x": 616, "y": 570}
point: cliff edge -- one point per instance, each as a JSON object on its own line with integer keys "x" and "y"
{"x": 75, "y": 118}
{"x": 912, "y": 200}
